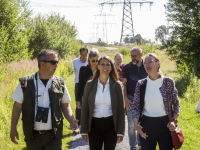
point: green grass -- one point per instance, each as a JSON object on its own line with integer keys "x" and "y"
{"x": 67, "y": 137}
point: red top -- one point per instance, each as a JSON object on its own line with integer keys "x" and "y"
{"x": 119, "y": 71}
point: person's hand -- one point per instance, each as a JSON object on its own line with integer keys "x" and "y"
{"x": 85, "y": 138}
{"x": 13, "y": 136}
{"x": 74, "y": 125}
{"x": 171, "y": 126}
{"x": 78, "y": 105}
{"x": 139, "y": 130}
{"x": 127, "y": 103}
{"x": 119, "y": 139}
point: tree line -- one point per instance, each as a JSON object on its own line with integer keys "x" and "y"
{"x": 181, "y": 37}
{"x": 136, "y": 39}
{"x": 22, "y": 36}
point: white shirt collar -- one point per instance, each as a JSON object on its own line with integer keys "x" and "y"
{"x": 157, "y": 81}
{"x": 106, "y": 82}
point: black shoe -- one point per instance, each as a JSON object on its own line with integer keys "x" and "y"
{"x": 75, "y": 132}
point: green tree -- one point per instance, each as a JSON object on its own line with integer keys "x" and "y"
{"x": 126, "y": 39}
{"x": 138, "y": 39}
{"x": 14, "y": 17}
{"x": 160, "y": 33}
{"x": 53, "y": 32}
{"x": 184, "y": 45}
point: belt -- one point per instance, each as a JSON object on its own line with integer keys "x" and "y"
{"x": 41, "y": 131}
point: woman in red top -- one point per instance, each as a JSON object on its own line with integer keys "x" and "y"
{"x": 118, "y": 64}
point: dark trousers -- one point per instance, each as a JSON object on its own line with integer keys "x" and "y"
{"x": 78, "y": 113}
{"x": 44, "y": 142}
{"x": 157, "y": 131}
{"x": 102, "y": 133}
{"x": 76, "y": 91}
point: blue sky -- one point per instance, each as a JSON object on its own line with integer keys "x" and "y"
{"x": 82, "y": 14}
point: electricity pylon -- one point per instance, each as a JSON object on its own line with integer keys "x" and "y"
{"x": 104, "y": 38}
{"x": 127, "y": 21}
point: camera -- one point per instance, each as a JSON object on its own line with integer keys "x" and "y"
{"x": 42, "y": 114}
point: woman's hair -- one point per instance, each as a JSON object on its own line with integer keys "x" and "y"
{"x": 157, "y": 59}
{"x": 93, "y": 53}
{"x": 113, "y": 73}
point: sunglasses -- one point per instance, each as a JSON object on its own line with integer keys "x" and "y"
{"x": 93, "y": 61}
{"x": 52, "y": 62}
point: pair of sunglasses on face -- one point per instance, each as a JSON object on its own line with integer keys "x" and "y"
{"x": 52, "y": 62}
{"x": 93, "y": 61}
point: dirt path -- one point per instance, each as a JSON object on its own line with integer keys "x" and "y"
{"x": 78, "y": 144}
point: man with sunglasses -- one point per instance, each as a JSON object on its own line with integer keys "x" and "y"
{"x": 43, "y": 99}
{"x": 131, "y": 73}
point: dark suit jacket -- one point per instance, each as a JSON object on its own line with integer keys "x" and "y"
{"x": 117, "y": 102}
{"x": 85, "y": 74}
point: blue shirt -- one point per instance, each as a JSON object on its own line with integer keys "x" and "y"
{"x": 77, "y": 64}
{"x": 133, "y": 73}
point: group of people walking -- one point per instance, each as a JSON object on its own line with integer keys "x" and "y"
{"x": 105, "y": 91}
{"x": 140, "y": 87}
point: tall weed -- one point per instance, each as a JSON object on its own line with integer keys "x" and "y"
{"x": 192, "y": 94}
{"x": 145, "y": 49}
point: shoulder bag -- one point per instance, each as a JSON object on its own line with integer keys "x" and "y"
{"x": 176, "y": 135}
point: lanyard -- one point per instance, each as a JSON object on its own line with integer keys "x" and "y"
{"x": 36, "y": 89}
{"x": 36, "y": 103}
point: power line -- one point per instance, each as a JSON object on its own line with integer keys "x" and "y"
{"x": 35, "y": 4}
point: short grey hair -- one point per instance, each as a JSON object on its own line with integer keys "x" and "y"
{"x": 44, "y": 55}
{"x": 93, "y": 53}
{"x": 136, "y": 48}
{"x": 118, "y": 54}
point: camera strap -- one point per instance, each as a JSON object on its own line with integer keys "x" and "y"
{"x": 36, "y": 103}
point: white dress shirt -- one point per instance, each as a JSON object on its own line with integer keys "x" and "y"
{"x": 43, "y": 100}
{"x": 77, "y": 63}
{"x": 154, "y": 105}
{"x": 102, "y": 104}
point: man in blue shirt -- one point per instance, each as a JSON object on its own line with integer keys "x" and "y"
{"x": 131, "y": 73}
{"x": 77, "y": 64}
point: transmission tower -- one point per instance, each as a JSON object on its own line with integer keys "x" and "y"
{"x": 127, "y": 21}
{"x": 104, "y": 38}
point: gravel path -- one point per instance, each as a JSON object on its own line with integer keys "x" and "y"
{"x": 79, "y": 144}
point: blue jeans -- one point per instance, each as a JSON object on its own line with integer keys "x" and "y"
{"x": 132, "y": 133}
